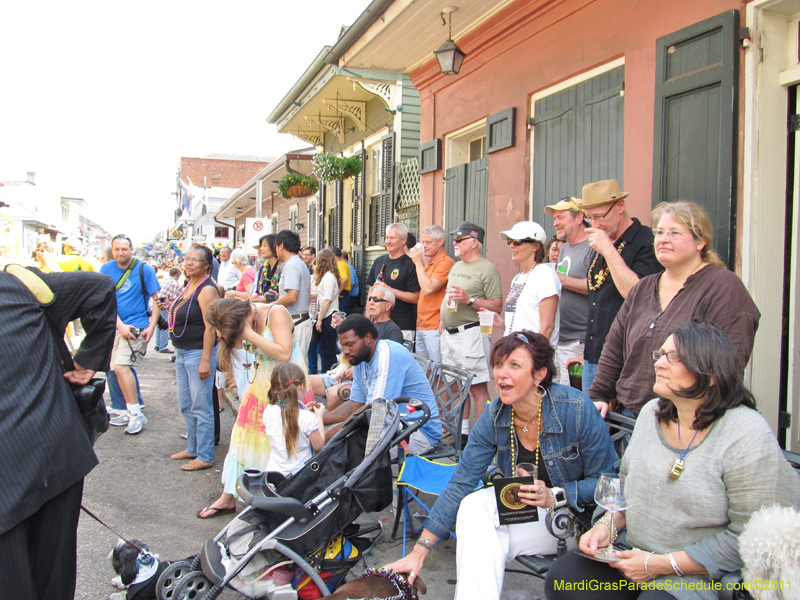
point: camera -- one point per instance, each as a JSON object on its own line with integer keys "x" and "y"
{"x": 135, "y": 332}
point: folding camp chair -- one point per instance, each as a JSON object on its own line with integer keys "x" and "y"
{"x": 422, "y": 475}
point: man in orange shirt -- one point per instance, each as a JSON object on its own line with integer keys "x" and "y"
{"x": 433, "y": 283}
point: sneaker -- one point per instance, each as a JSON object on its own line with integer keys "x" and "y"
{"x": 135, "y": 425}
{"x": 167, "y": 351}
{"x": 121, "y": 419}
{"x": 116, "y": 412}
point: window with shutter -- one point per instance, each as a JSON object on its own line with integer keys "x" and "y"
{"x": 500, "y": 131}
{"x": 696, "y": 118}
{"x": 578, "y": 138}
{"x": 430, "y": 156}
{"x": 313, "y": 222}
{"x": 466, "y": 194}
{"x": 387, "y": 181}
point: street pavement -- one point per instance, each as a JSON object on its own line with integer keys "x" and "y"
{"x": 139, "y": 492}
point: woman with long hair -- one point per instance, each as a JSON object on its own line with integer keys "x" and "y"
{"x": 700, "y": 462}
{"x": 45, "y": 259}
{"x": 265, "y": 284}
{"x": 694, "y": 286}
{"x": 195, "y": 346}
{"x": 264, "y": 334}
{"x": 326, "y": 280}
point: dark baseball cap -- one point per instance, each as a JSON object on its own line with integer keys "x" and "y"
{"x": 468, "y": 229}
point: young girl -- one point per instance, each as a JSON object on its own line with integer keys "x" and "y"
{"x": 291, "y": 430}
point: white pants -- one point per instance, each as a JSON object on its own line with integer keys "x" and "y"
{"x": 428, "y": 344}
{"x": 564, "y": 352}
{"x": 302, "y": 334}
{"x": 484, "y": 547}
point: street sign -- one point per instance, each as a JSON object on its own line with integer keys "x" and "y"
{"x": 254, "y": 229}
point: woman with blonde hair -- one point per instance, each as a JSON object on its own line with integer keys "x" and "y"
{"x": 45, "y": 259}
{"x": 264, "y": 333}
{"x": 695, "y": 286}
{"x": 326, "y": 279}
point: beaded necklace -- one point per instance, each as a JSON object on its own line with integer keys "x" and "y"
{"x": 600, "y": 278}
{"x": 248, "y": 346}
{"x": 521, "y": 288}
{"x": 178, "y": 303}
{"x": 512, "y": 435}
{"x": 403, "y": 589}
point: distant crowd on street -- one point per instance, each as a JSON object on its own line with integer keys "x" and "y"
{"x": 607, "y": 315}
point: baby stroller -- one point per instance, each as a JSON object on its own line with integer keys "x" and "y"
{"x": 296, "y": 539}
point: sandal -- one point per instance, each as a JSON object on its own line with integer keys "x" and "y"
{"x": 217, "y": 512}
{"x": 182, "y": 455}
{"x": 197, "y": 465}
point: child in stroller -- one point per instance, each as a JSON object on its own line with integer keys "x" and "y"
{"x": 302, "y": 527}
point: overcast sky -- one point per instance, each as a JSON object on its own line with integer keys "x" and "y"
{"x": 101, "y": 99}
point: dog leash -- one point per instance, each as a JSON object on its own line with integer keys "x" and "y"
{"x": 99, "y": 520}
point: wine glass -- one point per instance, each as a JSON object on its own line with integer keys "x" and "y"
{"x": 608, "y": 494}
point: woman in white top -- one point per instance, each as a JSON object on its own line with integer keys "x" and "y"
{"x": 326, "y": 279}
{"x": 292, "y": 430}
{"x": 532, "y": 301}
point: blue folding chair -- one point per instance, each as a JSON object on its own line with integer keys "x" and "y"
{"x": 422, "y": 475}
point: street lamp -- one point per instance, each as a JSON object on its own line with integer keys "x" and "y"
{"x": 449, "y": 55}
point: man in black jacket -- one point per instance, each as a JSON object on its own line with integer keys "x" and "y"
{"x": 44, "y": 450}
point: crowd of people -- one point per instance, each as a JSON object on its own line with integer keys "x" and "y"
{"x": 659, "y": 328}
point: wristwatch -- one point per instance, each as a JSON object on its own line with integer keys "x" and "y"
{"x": 560, "y": 496}
{"x": 471, "y": 300}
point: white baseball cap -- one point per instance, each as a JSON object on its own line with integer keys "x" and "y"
{"x": 525, "y": 230}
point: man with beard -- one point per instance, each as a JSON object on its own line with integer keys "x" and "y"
{"x": 384, "y": 369}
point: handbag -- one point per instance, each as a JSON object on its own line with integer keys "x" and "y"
{"x": 88, "y": 397}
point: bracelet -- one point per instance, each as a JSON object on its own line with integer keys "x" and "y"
{"x": 606, "y": 520}
{"x": 414, "y": 549}
{"x": 674, "y": 564}
{"x": 645, "y": 565}
{"x": 426, "y": 543}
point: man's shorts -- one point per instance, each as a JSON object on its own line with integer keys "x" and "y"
{"x": 127, "y": 352}
{"x": 468, "y": 350}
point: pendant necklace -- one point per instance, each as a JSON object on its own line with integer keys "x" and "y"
{"x": 677, "y": 468}
{"x": 247, "y": 346}
{"x": 598, "y": 279}
{"x": 525, "y": 430}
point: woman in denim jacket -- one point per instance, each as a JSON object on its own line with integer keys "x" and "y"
{"x": 556, "y": 428}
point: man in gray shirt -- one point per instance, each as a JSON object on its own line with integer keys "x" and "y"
{"x": 294, "y": 289}
{"x": 574, "y": 260}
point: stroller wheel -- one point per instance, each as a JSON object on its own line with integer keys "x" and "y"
{"x": 192, "y": 586}
{"x": 168, "y": 581}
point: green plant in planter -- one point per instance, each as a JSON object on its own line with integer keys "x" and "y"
{"x": 352, "y": 165}
{"x": 329, "y": 167}
{"x": 292, "y": 179}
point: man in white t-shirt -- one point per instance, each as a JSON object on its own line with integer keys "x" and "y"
{"x": 228, "y": 274}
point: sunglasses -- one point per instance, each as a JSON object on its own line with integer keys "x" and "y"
{"x": 376, "y": 299}
{"x": 461, "y": 239}
{"x": 516, "y": 243}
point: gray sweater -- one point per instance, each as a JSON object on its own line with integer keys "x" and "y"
{"x": 734, "y": 471}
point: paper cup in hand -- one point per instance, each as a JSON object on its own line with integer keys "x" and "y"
{"x": 487, "y": 318}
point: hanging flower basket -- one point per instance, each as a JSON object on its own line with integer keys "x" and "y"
{"x": 329, "y": 167}
{"x": 297, "y": 185}
{"x": 298, "y": 191}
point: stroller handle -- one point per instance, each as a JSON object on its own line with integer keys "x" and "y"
{"x": 414, "y": 405}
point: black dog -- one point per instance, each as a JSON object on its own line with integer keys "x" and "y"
{"x": 138, "y": 570}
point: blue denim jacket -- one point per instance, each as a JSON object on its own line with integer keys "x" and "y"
{"x": 575, "y": 449}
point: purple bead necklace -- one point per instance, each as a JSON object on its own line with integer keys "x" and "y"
{"x": 176, "y": 305}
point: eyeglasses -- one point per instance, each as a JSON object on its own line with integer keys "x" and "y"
{"x": 459, "y": 240}
{"x": 671, "y": 356}
{"x": 376, "y": 299}
{"x": 193, "y": 260}
{"x": 120, "y": 236}
{"x": 516, "y": 243}
{"x": 672, "y": 234}
{"x": 591, "y": 218}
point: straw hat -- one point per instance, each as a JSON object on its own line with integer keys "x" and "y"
{"x": 600, "y": 193}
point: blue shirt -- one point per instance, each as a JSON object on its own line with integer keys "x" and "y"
{"x": 132, "y": 304}
{"x": 393, "y": 373}
{"x": 353, "y": 281}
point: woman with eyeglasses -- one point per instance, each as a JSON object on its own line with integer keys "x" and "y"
{"x": 195, "y": 346}
{"x": 532, "y": 300}
{"x": 554, "y": 428}
{"x": 694, "y": 286}
{"x": 701, "y": 461}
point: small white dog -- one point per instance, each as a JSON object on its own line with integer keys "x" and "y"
{"x": 770, "y": 549}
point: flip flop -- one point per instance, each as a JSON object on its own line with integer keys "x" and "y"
{"x": 182, "y": 455}
{"x": 217, "y": 512}
{"x": 196, "y": 465}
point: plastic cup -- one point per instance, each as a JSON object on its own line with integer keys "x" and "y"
{"x": 452, "y": 304}
{"x": 529, "y": 468}
{"x": 340, "y": 314}
{"x": 486, "y": 317}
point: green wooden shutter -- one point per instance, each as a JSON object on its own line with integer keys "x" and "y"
{"x": 465, "y": 197}
{"x": 696, "y": 116}
{"x": 430, "y": 156}
{"x": 578, "y": 138}
{"x": 357, "y": 255}
{"x": 387, "y": 181}
{"x": 321, "y": 211}
{"x": 500, "y": 131}
{"x": 336, "y": 220}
